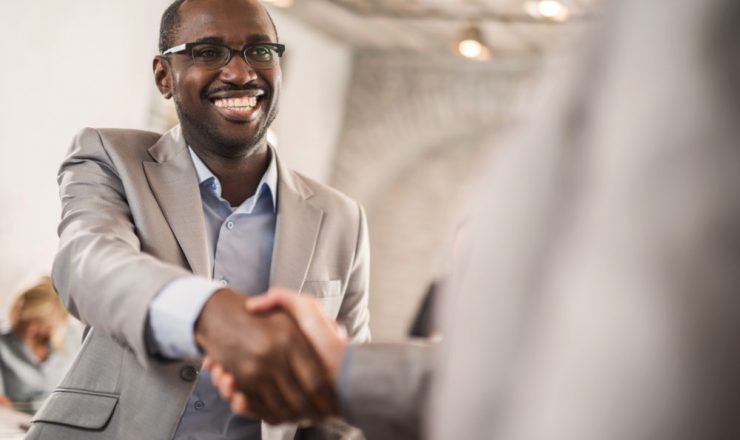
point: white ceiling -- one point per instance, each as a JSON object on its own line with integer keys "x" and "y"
{"x": 433, "y": 26}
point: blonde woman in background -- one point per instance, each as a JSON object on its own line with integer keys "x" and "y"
{"x": 37, "y": 350}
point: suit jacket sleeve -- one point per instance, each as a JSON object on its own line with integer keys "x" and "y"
{"x": 385, "y": 385}
{"x": 100, "y": 272}
{"x": 354, "y": 314}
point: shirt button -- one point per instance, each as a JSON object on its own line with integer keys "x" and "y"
{"x": 199, "y": 405}
{"x": 223, "y": 281}
{"x": 188, "y": 373}
{"x": 229, "y": 225}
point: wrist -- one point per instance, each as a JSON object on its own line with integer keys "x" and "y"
{"x": 334, "y": 359}
{"x": 211, "y": 315}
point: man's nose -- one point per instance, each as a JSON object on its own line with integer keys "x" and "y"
{"x": 238, "y": 71}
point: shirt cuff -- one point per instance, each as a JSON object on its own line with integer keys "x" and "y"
{"x": 343, "y": 381}
{"x": 172, "y": 316}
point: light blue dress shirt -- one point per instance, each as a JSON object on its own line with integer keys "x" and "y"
{"x": 240, "y": 242}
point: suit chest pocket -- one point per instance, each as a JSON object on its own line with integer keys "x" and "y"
{"x": 329, "y": 294}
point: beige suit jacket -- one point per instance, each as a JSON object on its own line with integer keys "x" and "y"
{"x": 132, "y": 222}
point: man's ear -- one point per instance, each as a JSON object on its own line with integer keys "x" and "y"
{"x": 163, "y": 76}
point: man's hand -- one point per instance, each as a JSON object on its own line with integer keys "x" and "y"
{"x": 324, "y": 334}
{"x": 273, "y": 366}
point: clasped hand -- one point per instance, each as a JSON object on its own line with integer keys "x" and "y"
{"x": 275, "y": 356}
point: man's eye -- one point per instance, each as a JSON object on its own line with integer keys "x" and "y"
{"x": 260, "y": 53}
{"x": 207, "y": 53}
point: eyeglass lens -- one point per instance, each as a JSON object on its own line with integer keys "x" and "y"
{"x": 215, "y": 55}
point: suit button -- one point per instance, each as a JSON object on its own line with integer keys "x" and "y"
{"x": 188, "y": 373}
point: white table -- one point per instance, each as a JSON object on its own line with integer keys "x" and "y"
{"x": 13, "y": 423}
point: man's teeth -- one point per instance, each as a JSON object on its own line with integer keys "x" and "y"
{"x": 237, "y": 103}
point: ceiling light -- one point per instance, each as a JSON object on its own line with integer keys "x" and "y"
{"x": 472, "y": 46}
{"x": 547, "y": 9}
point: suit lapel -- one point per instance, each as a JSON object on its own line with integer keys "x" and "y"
{"x": 296, "y": 231}
{"x": 174, "y": 183}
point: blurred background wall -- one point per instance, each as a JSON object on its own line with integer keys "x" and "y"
{"x": 375, "y": 102}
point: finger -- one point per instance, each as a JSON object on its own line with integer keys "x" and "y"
{"x": 226, "y": 386}
{"x": 216, "y": 374}
{"x": 223, "y": 381}
{"x": 322, "y": 332}
{"x": 240, "y": 406}
{"x": 207, "y": 363}
{"x": 313, "y": 379}
{"x": 307, "y": 313}
{"x": 277, "y": 410}
{"x": 300, "y": 405}
{"x": 272, "y": 299}
{"x": 254, "y": 402}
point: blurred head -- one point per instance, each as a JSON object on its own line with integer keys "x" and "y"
{"x": 225, "y": 109}
{"x": 39, "y": 314}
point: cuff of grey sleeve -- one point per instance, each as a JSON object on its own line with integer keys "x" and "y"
{"x": 385, "y": 386}
{"x": 343, "y": 381}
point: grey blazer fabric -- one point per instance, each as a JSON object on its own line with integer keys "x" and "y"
{"x": 386, "y": 388}
{"x": 132, "y": 222}
{"x": 599, "y": 296}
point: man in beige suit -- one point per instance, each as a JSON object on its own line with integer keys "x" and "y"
{"x": 161, "y": 235}
{"x": 599, "y": 297}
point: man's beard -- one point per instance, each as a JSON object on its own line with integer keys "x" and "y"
{"x": 226, "y": 146}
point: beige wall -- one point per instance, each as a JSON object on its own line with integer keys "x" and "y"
{"x": 66, "y": 65}
{"x": 415, "y": 128}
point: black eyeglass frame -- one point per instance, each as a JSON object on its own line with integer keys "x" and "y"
{"x": 187, "y": 48}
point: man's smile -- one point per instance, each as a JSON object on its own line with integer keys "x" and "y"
{"x": 243, "y": 102}
{"x": 241, "y": 106}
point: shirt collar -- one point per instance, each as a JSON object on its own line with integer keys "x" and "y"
{"x": 268, "y": 182}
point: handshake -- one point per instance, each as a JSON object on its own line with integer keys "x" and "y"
{"x": 275, "y": 357}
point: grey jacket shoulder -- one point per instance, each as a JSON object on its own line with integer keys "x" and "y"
{"x": 122, "y": 136}
{"x": 122, "y": 141}
{"x": 384, "y": 387}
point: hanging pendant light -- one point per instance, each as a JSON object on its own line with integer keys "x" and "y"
{"x": 472, "y": 44}
{"x": 552, "y": 10}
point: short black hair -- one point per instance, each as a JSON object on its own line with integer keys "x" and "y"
{"x": 170, "y": 25}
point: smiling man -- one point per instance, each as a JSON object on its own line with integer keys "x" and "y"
{"x": 163, "y": 235}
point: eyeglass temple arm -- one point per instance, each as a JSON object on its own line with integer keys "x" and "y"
{"x": 175, "y": 49}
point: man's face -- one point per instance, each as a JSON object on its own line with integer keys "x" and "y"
{"x": 215, "y": 105}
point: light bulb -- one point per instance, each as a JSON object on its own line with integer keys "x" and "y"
{"x": 470, "y": 48}
{"x": 548, "y": 9}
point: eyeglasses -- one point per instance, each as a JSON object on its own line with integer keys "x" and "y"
{"x": 217, "y": 55}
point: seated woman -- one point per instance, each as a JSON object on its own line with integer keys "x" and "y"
{"x": 38, "y": 349}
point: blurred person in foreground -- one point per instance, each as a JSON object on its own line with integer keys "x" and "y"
{"x": 38, "y": 349}
{"x": 599, "y": 296}
{"x": 163, "y": 235}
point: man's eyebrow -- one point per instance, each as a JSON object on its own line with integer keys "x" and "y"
{"x": 251, "y": 39}
{"x": 259, "y": 38}
{"x": 209, "y": 40}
